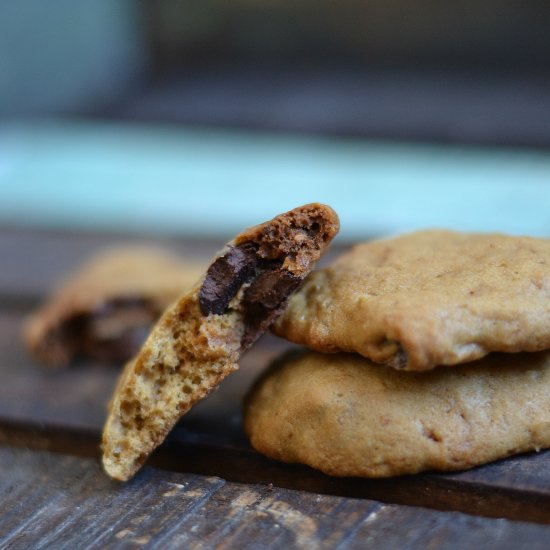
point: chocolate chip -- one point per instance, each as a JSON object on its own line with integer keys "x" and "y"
{"x": 264, "y": 299}
{"x": 112, "y": 333}
{"x": 400, "y": 360}
{"x": 225, "y": 276}
{"x": 267, "y": 295}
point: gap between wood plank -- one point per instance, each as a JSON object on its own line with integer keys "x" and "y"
{"x": 246, "y": 466}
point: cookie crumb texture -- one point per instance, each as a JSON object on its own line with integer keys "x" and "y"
{"x": 426, "y": 299}
{"x": 198, "y": 341}
{"x": 184, "y": 357}
{"x": 345, "y": 416}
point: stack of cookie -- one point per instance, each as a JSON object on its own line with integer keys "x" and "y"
{"x": 426, "y": 352}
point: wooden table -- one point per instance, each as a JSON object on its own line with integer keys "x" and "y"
{"x": 206, "y": 487}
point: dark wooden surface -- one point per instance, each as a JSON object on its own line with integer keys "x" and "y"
{"x": 59, "y": 501}
{"x": 206, "y": 484}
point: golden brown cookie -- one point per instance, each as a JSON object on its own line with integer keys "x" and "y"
{"x": 426, "y": 299}
{"x": 344, "y": 415}
{"x": 199, "y": 340}
{"x": 105, "y": 310}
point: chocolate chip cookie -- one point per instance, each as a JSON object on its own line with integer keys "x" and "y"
{"x": 427, "y": 299}
{"x": 344, "y": 415}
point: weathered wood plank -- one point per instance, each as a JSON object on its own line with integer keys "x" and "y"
{"x": 53, "y": 501}
{"x": 191, "y": 454}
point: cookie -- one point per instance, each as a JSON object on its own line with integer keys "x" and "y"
{"x": 426, "y": 299}
{"x": 105, "y": 310}
{"x": 344, "y": 415}
{"x": 198, "y": 341}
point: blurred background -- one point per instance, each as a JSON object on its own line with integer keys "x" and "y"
{"x": 198, "y": 117}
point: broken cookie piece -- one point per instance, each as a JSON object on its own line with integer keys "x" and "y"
{"x": 426, "y": 299}
{"x": 106, "y": 309}
{"x": 199, "y": 340}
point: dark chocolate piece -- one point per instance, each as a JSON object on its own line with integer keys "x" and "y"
{"x": 225, "y": 276}
{"x": 117, "y": 332}
{"x": 264, "y": 299}
{"x": 111, "y": 333}
{"x": 400, "y": 360}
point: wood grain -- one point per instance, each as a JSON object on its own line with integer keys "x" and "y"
{"x": 54, "y": 501}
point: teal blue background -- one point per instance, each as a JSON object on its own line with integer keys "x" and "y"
{"x": 201, "y": 182}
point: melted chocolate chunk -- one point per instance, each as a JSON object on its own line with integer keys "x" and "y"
{"x": 264, "y": 299}
{"x": 112, "y": 333}
{"x": 117, "y": 332}
{"x": 225, "y": 276}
